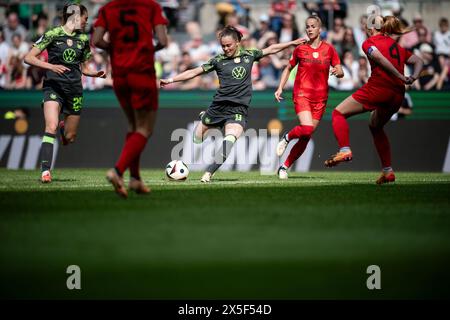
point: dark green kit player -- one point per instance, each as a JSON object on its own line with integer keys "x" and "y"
{"x": 68, "y": 55}
{"x": 230, "y": 105}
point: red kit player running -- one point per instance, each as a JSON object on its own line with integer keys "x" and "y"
{"x": 310, "y": 92}
{"x": 131, "y": 25}
{"x": 382, "y": 94}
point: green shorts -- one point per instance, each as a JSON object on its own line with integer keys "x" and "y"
{"x": 219, "y": 114}
{"x": 69, "y": 97}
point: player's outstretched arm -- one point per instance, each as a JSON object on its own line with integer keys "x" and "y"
{"x": 337, "y": 71}
{"x": 186, "y": 75}
{"x": 88, "y": 72}
{"x": 161, "y": 36}
{"x": 274, "y": 48}
{"x": 378, "y": 57}
{"x": 98, "y": 38}
{"x": 418, "y": 66}
{"x": 32, "y": 59}
{"x": 284, "y": 78}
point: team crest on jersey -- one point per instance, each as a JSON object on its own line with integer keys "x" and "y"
{"x": 79, "y": 45}
{"x": 246, "y": 60}
{"x": 238, "y": 73}
{"x": 69, "y": 55}
{"x": 53, "y": 96}
{"x": 69, "y": 42}
{"x": 315, "y": 55}
{"x": 237, "y": 60}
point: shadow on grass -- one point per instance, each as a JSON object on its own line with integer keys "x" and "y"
{"x": 358, "y": 197}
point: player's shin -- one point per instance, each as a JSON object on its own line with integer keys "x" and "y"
{"x": 46, "y": 155}
{"x": 134, "y": 146}
{"x": 382, "y": 145}
{"x": 223, "y": 153}
{"x": 296, "y": 151}
{"x": 340, "y": 129}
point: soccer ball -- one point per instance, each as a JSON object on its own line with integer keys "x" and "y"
{"x": 177, "y": 170}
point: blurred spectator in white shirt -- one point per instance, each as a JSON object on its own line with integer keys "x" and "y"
{"x": 12, "y": 27}
{"x": 441, "y": 41}
{"x": 4, "y": 54}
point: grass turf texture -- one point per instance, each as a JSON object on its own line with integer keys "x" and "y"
{"x": 243, "y": 236}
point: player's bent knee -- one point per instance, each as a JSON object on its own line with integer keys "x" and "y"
{"x": 337, "y": 113}
{"x": 51, "y": 128}
{"x": 71, "y": 137}
{"x": 145, "y": 132}
{"x": 196, "y": 139}
{"x": 307, "y": 132}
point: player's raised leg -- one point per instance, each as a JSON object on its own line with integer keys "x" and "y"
{"x": 51, "y": 115}
{"x": 232, "y": 132}
{"x": 301, "y": 132}
{"x": 200, "y": 131}
{"x": 378, "y": 119}
{"x": 345, "y": 109}
{"x": 68, "y": 128}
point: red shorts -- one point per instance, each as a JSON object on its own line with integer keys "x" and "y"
{"x": 136, "y": 90}
{"x": 317, "y": 109}
{"x": 372, "y": 97}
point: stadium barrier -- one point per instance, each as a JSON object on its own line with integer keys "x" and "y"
{"x": 419, "y": 143}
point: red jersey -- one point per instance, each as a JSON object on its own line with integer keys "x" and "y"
{"x": 396, "y": 55}
{"x": 130, "y": 25}
{"x": 313, "y": 70}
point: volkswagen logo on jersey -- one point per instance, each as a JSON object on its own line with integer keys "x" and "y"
{"x": 238, "y": 73}
{"x": 69, "y": 55}
{"x": 315, "y": 55}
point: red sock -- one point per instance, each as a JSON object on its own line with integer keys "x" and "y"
{"x": 300, "y": 131}
{"x": 134, "y": 145}
{"x": 134, "y": 165}
{"x": 382, "y": 145}
{"x": 296, "y": 151}
{"x": 340, "y": 128}
{"x": 134, "y": 168}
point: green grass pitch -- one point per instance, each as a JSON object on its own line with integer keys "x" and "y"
{"x": 245, "y": 235}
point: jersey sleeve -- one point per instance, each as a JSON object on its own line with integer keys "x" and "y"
{"x": 368, "y": 47}
{"x": 256, "y": 53}
{"x": 158, "y": 16}
{"x": 87, "y": 54}
{"x": 335, "y": 60}
{"x": 44, "y": 41}
{"x": 294, "y": 59}
{"x": 210, "y": 65}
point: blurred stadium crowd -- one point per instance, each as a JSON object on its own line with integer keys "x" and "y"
{"x": 190, "y": 47}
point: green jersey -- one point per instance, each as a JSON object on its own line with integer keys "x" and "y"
{"x": 67, "y": 50}
{"x": 234, "y": 75}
